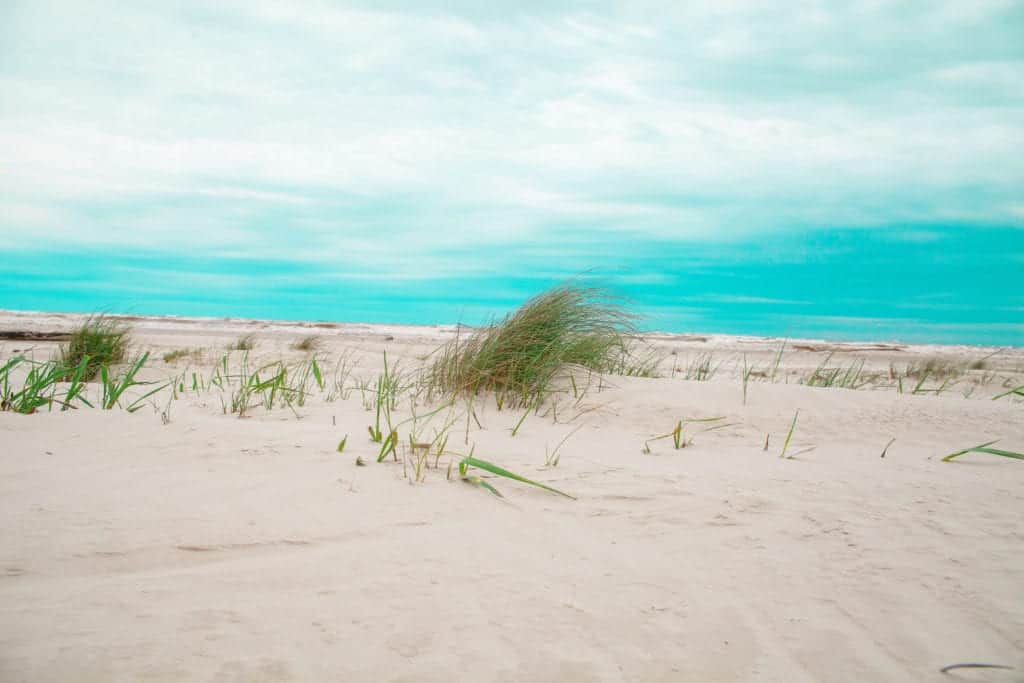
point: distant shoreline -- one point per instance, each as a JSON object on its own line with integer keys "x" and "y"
{"x": 18, "y": 323}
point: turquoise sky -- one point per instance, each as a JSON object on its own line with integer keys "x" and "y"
{"x": 846, "y": 170}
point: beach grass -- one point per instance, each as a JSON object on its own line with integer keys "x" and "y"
{"x": 702, "y": 367}
{"x": 851, "y": 376}
{"x": 246, "y": 342}
{"x": 178, "y": 354}
{"x": 40, "y": 385}
{"x": 308, "y": 344}
{"x": 935, "y": 368}
{"x": 104, "y": 341}
{"x": 115, "y": 386}
{"x": 631, "y": 364}
{"x": 521, "y": 355}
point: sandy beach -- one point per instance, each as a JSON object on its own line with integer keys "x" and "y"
{"x": 181, "y": 542}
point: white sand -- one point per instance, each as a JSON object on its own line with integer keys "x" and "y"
{"x": 222, "y": 549}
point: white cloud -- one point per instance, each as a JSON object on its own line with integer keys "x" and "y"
{"x": 1005, "y": 77}
{"x": 499, "y": 126}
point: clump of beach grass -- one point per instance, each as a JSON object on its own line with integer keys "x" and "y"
{"x": 308, "y": 344}
{"x": 569, "y": 325}
{"x": 102, "y": 340}
{"x": 178, "y": 354}
{"x": 40, "y": 385}
{"x": 936, "y": 368}
{"x": 244, "y": 343}
{"x": 702, "y": 368}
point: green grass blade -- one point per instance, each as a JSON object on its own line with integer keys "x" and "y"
{"x": 789, "y": 435}
{"x": 482, "y": 484}
{"x": 77, "y": 385}
{"x": 721, "y": 426}
{"x": 107, "y": 386}
{"x": 1019, "y": 391}
{"x": 997, "y": 451}
{"x": 137, "y": 403}
{"x": 968, "y": 450}
{"x": 778, "y": 360}
{"x": 920, "y": 382}
{"x": 388, "y": 447}
{"x": 424, "y": 416}
{"x": 316, "y": 374}
{"x": 519, "y": 424}
{"x": 470, "y": 461}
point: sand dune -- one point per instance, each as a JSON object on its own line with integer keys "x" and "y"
{"x": 200, "y": 546}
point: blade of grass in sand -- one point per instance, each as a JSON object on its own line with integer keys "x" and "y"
{"x": 789, "y": 435}
{"x": 1019, "y": 391}
{"x": 77, "y": 385}
{"x": 553, "y": 459}
{"x": 998, "y": 451}
{"x": 985, "y": 448}
{"x": 37, "y": 390}
{"x": 470, "y": 461}
{"x": 519, "y": 424}
{"x": 388, "y": 446}
{"x": 973, "y": 665}
{"x": 317, "y": 374}
{"x": 778, "y": 360}
{"x": 482, "y": 484}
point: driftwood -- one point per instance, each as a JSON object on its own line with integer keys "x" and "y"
{"x": 27, "y": 335}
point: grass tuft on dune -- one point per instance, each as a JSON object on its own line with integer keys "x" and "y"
{"x": 100, "y": 339}
{"x": 520, "y": 355}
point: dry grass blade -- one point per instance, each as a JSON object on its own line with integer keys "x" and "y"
{"x": 178, "y": 354}
{"x": 778, "y": 360}
{"x": 553, "y": 458}
{"x": 973, "y": 665}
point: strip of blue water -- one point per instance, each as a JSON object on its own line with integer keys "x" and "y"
{"x": 939, "y": 284}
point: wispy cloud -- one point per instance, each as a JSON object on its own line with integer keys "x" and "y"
{"x": 317, "y": 131}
